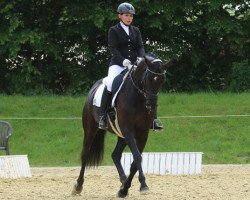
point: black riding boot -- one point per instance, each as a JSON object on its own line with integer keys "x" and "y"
{"x": 157, "y": 125}
{"x": 106, "y": 100}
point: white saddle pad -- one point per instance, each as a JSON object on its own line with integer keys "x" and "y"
{"x": 98, "y": 94}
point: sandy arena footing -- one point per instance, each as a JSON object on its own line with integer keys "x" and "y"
{"x": 215, "y": 182}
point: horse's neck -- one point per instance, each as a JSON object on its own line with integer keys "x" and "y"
{"x": 132, "y": 100}
{"x": 135, "y": 87}
{"x": 137, "y": 77}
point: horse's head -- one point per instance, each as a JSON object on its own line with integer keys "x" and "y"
{"x": 151, "y": 71}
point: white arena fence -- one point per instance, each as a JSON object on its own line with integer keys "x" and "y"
{"x": 164, "y": 163}
{"x": 14, "y": 166}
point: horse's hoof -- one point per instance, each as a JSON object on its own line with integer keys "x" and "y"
{"x": 122, "y": 194}
{"x": 144, "y": 190}
{"x": 76, "y": 190}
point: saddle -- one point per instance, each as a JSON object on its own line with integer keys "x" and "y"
{"x": 111, "y": 112}
{"x": 116, "y": 86}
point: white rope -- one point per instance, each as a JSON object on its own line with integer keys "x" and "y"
{"x": 41, "y": 118}
{"x": 162, "y": 117}
{"x": 202, "y": 116}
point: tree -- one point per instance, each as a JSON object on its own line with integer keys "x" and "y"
{"x": 61, "y": 47}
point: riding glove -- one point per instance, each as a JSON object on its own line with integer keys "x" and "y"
{"x": 126, "y": 62}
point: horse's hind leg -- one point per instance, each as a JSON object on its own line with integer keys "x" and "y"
{"x": 116, "y": 156}
{"x": 89, "y": 135}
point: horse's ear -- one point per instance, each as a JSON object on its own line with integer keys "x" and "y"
{"x": 140, "y": 61}
{"x": 149, "y": 58}
{"x": 148, "y": 61}
{"x": 170, "y": 63}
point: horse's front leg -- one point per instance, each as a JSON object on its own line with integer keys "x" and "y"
{"x": 116, "y": 156}
{"x": 133, "y": 170}
{"x": 136, "y": 165}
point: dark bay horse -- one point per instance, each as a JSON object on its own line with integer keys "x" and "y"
{"x": 135, "y": 109}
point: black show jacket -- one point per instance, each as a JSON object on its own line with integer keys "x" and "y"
{"x": 125, "y": 46}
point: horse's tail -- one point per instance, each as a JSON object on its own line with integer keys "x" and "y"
{"x": 97, "y": 149}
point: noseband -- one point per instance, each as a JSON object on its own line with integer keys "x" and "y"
{"x": 149, "y": 96}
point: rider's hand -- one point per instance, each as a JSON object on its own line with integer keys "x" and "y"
{"x": 138, "y": 59}
{"x": 126, "y": 63}
{"x": 129, "y": 66}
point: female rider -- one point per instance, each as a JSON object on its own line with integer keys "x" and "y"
{"x": 125, "y": 43}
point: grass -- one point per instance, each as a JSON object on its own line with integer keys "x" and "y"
{"x": 58, "y": 142}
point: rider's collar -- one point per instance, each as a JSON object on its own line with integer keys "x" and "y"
{"x": 125, "y": 27}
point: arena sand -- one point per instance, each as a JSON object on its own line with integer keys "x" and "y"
{"x": 228, "y": 182}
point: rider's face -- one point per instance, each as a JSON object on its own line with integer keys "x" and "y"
{"x": 126, "y": 18}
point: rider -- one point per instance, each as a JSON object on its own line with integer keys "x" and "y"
{"x": 125, "y": 43}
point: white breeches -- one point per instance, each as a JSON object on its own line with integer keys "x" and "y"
{"x": 114, "y": 70}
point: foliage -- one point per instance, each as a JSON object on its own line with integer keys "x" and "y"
{"x": 61, "y": 47}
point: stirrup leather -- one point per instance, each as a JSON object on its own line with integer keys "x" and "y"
{"x": 103, "y": 122}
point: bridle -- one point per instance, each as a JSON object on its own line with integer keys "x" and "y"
{"x": 150, "y": 97}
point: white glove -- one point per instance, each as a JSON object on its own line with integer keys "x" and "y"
{"x": 126, "y": 62}
{"x": 130, "y": 66}
{"x": 138, "y": 59}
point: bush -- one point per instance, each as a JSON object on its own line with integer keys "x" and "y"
{"x": 240, "y": 80}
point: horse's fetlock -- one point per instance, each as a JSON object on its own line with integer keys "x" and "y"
{"x": 142, "y": 179}
{"x": 123, "y": 178}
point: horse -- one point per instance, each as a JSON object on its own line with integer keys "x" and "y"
{"x": 135, "y": 108}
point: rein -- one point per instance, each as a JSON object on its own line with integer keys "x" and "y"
{"x": 130, "y": 76}
{"x": 148, "y": 95}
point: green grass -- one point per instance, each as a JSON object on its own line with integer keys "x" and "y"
{"x": 58, "y": 142}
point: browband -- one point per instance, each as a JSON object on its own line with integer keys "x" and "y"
{"x": 156, "y": 60}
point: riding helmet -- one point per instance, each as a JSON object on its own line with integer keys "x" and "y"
{"x": 126, "y": 8}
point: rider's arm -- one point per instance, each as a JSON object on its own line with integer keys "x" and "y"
{"x": 113, "y": 45}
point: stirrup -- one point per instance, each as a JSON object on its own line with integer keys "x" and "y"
{"x": 157, "y": 125}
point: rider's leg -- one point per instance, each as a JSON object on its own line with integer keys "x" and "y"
{"x": 114, "y": 70}
{"x": 157, "y": 125}
{"x": 106, "y": 99}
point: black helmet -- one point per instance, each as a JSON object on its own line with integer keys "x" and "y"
{"x": 126, "y": 8}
